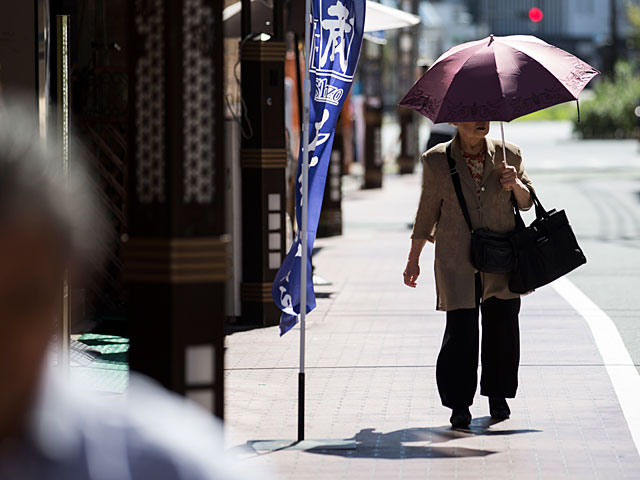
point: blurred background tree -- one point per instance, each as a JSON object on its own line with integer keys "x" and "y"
{"x": 633, "y": 13}
{"x": 613, "y": 110}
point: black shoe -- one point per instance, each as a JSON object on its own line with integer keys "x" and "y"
{"x": 460, "y": 417}
{"x": 498, "y": 408}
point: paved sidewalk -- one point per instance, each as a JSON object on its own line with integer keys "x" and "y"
{"x": 372, "y": 344}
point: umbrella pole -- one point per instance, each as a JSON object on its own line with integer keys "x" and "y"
{"x": 504, "y": 153}
{"x": 303, "y": 227}
{"x": 504, "y": 149}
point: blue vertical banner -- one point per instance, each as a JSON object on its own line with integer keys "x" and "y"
{"x": 336, "y": 37}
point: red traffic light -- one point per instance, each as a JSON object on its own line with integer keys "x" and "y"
{"x": 535, "y": 14}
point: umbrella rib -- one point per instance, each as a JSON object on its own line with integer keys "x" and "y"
{"x": 545, "y": 68}
{"x": 455, "y": 75}
{"x": 550, "y": 47}
{"x": 438, "y": 64}
{"x": 449, "y": 53}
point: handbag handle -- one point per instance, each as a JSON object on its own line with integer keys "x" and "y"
{"x": 540, "y": 211}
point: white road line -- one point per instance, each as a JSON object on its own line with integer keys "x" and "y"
{"x": 622, "y": 372}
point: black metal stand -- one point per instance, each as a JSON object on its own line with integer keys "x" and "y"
{"x": 300, "y": 406}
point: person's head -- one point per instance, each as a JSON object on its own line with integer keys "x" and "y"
{"x": 472, "y": 131}
{"x": 46, "y": 220}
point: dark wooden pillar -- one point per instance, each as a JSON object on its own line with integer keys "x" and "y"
{"x": 176, "y": 257}
{"x": 330, "y": 223}
{"x": 19, "y": 53}
{"x": 408, "y": 140}
{"x": 372, "y": 86}
{"x": 407, "y": 48}
{"x": 263, "y": 162}
{"x": 372, "y": 143}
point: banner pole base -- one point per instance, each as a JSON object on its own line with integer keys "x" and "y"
{"x": 300, "y": 406}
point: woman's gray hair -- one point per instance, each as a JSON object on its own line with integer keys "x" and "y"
{"x": 33, "y": 179}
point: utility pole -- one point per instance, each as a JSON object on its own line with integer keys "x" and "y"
{"x": 613, "y": 26}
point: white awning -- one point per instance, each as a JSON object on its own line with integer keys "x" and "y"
{"x": 378, "y": 17}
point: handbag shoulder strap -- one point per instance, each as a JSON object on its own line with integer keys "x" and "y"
{"x": 455, "y": 179}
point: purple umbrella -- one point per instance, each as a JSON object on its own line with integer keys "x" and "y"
{"x": 498, "y": 78}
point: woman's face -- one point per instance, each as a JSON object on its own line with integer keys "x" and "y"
{"x": 471, "y": 131}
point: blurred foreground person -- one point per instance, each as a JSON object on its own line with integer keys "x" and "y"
{"x": 48, "y": 430}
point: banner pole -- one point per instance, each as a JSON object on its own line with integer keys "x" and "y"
{"x": 303, "y": 227}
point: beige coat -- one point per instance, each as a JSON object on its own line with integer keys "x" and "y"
{"x": 440, "y": 220}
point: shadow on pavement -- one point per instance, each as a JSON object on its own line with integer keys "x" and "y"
{"x": 364, "y": 451}
{"x": 324, "y": 294}
{"x": 393, "y": 445}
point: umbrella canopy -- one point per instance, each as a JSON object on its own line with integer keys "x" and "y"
{"x": 498, "y": 78}
{"x": 379, "y": 17}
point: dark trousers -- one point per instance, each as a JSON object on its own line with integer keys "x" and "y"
{"x": 457, "y": 366}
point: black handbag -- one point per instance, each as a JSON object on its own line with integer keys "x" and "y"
{"x": 491, "y": 252}
{"x": 544, "y": 251}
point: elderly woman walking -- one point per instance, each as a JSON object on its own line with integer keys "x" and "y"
{"x": 487, "y": 181}
{"x": 497, "y": 78}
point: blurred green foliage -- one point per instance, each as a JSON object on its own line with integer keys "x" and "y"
{"x": 633, "y": 14}
{"x": 610, "y": 113}
{"x": 564, "y": 111}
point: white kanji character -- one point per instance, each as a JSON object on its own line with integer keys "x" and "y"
{"x": 337, "y": 30}
{"x": 320, "y": 137}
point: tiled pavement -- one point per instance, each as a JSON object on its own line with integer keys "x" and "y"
{"x": 371, "y": 350}
{"x": 98, "y": 363}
